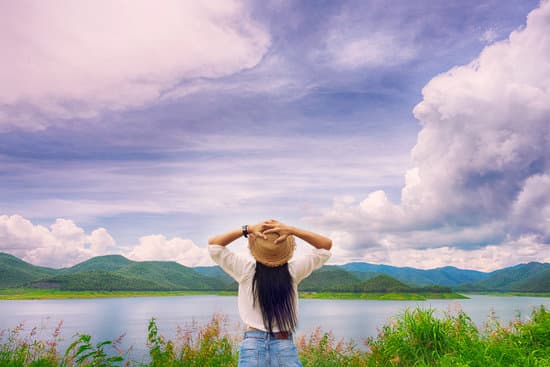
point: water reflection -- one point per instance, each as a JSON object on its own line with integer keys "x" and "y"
{"x": 108, "y": 318}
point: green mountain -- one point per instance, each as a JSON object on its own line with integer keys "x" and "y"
{"x": 539, "y": 282}
{"x": 531, "y": 277}
{"x": 170, "y": 275}
{"x": 334, "y": 279}
{"x": 217, "y": 273}
{"x": 446, "y": 276}
{"x": 331, "y": 279}
{"x": 384, "y": 283}
{"x": 108, "y": 263}
{"x": 96, "y": 280}
{"x": 115, "y": 272}
{"x": 364, "y": 275}
{"x": 15, "y": 272}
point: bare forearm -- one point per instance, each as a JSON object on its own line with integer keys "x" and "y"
{"x": 314, "y": 239}
{"x": 225, "y": 239}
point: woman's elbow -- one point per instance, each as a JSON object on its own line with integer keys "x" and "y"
{"x": 328, "y": 244}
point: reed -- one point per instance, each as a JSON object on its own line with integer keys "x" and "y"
{"x": 417, "y": 337}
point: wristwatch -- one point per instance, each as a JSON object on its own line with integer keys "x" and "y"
{"x": 245, "y": 230}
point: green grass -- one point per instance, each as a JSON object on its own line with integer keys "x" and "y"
{"x": 510, "y": 294}
{"x": 33, "y": 293}
{"x": 415, "y": 338}
{"x": 401, "y": 296}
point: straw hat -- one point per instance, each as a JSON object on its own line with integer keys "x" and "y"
{"x": 269, "y": 253}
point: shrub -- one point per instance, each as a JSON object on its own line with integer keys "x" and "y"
{"x": 207, "y": 345}
{"x": 415, "y": 338}
{"x": 321, "y": 349}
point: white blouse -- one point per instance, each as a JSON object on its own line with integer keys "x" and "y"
{"x": 242, "y": 270}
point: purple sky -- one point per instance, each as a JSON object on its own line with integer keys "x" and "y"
{"x": 414, "y": 133}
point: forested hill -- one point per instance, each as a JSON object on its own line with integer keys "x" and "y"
{"x": 106, "y": 273}
{"x": 445, "y": 276}
{"x": 531, "y": 277}
{"x": 15, "y": 272}
{"x": 115, "y": 272}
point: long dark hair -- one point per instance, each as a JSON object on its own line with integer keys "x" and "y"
{"x": 272, "y": 288}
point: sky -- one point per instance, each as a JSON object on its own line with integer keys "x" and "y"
{"x": 412, "y": 133}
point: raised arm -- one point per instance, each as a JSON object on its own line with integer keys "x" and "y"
{"x": 226, "y": 238}
{"x": 314, "y": 239}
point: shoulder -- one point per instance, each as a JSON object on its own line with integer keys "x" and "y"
{"x": 238, "y": 266}
{"x": 312, "y": 254}
{"x": 300, "y": 267}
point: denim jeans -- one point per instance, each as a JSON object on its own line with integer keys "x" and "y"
{"x": 259, "y": 349}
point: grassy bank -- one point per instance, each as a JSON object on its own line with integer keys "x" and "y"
{"x": 415, "y": 338}
{"x": 382, "y": 296}
{"x": 31, "y": 293}
{"x": 509, "y": 294}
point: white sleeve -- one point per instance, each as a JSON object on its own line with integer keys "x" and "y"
{"x": 233, "y": 264}
{"x": 303, "y": 266}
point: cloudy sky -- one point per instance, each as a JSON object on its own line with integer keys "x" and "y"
{"x": 414, "y": 133}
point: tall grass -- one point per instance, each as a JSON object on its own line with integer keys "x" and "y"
{"x": 415, "y": 338}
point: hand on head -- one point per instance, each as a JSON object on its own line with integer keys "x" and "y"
{"x": 257, "y": 230}
{"x": 274, "y": 226}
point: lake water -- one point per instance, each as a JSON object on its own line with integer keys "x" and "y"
{"x": 108, "y": 318}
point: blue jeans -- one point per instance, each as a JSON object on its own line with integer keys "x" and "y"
{"x": 259, "y": 349}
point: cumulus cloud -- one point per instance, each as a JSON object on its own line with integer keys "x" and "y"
{"x": 485, "y": 128}
{"x": 481, "y": 163}
{"x": 488, "y": 258}
{"x": 77, "y": 59}
{"x": 158, "y": 247}
{"x": 64, "y": 244}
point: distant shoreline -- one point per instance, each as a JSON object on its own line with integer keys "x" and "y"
{"x": 509, "y": 294}
{"x": 44, "y": 294}
{"x": 39, "y": 294}
{"x": 390, "y": 296}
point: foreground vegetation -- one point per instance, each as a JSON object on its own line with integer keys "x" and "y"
{"x": 415, "y": 338}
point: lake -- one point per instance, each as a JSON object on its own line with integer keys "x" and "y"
{"x": 108, "y": 318}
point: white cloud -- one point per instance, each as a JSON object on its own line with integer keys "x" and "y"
{"x": 77, "y": 59}
{"x": 485, "y": 128}
{"x": 62, "y": 244}
{"x": 480, "y": 171}
{"x": 65, "y": 244}
{"x": 373, "y": 50}
{"x": 488, "y": 258}
{"x": 490, "y": 35}
{"x": 356, "y": 39}
{"x": 158, "y": 247}
{"x": 19, "y": 234}
{"x": 101, "y": 241}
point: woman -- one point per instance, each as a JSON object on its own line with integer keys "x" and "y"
{"x": 268, "y": 293}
